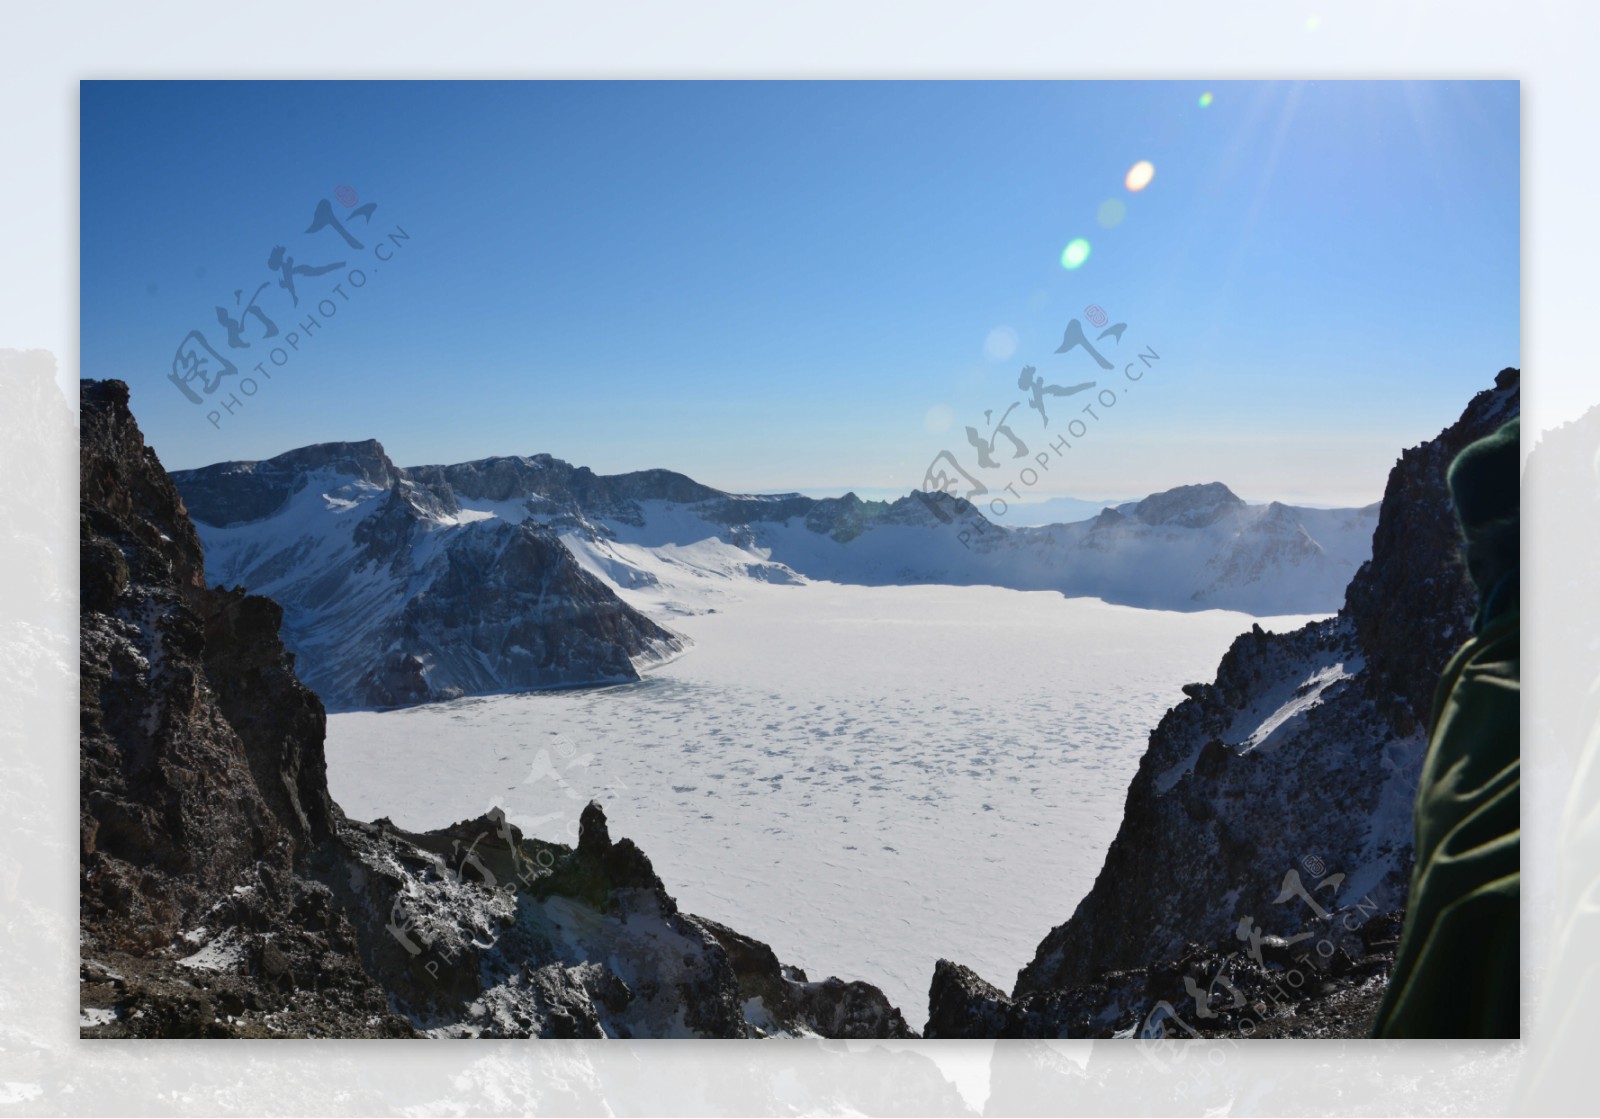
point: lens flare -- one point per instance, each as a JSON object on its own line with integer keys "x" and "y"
{"x": 1139, "y": 175}
{"x": 1076, "y": 252}
{"x": 1112, "y": 211}
{"x": 1001, "y": 343}
{"x": 1205, "y": 99}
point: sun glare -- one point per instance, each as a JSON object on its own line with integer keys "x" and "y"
{"x": 1139, "y": 175}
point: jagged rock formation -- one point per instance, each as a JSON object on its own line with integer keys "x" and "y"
{"x": 1273, "y": 806}
{"x": 1282, "y": 990}
{"x": 223, "y": 893}
{"x": 393, "y": 597}
{"x": 190, "y": 822}
{"x": 1408, "y": 604}
{"x": 774, "y": 993}
{"x": 493, "y": 935}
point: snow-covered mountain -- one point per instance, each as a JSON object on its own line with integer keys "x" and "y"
{"x": 500, "y": 575}
{"x": 404, "y": 586}
{"x": 393, "y": 596}
{"x": 1191, "y": 548}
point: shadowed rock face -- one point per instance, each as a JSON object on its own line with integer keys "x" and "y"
{"x": 1277, "y": 996}
{"x": 775, "y": 994}
{"x": 224, "y": 894}
{"x": 202, "y": 779}
{"x": 509, "y": 609}
{"x": 1407, "y": 602}
{"x": 166, "y": 818}
{"x": 1271, "y": 805}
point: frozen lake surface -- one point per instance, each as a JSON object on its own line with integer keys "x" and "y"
{"x": 866, "y": 778}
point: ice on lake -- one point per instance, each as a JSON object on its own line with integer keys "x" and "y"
{"x": 866, "y": 778}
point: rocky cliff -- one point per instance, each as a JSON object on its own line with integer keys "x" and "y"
{"x": 223, "y": 893}
{"x": 1267, "y": 832}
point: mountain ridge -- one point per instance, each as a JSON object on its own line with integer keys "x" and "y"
{"x": 376, "y": 565}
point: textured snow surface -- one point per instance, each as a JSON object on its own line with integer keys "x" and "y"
{"x": 866, "y": 778}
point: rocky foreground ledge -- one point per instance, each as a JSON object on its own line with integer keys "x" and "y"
{"x": 224, "y": 894}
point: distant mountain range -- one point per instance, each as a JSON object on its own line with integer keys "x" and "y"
{"x": 405, "y": 586}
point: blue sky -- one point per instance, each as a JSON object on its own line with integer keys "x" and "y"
{"x": 814, "y": 286}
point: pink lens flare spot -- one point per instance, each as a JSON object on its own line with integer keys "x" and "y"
{"x": 1139, "y": 175}
{"x": 1095, "y": 314}
{"x": 347, "y": 195}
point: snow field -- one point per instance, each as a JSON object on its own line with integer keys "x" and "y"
{"x": 866, "y": 778}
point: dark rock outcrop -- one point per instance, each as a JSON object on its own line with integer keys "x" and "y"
{"x": 961, "y": 1004}
{"x": 224, "y": 894}
{"x": 280, "y": 723}
{"x": 509, "y": 609}
{"x": 1410, "y": 603}
{"x": 1272, "y": 806}
{"x": 777, "y": 996}
{"x": 1216, "y": 991}
{"x": 202, "y": 781}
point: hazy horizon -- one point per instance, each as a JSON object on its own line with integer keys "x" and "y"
{"x": 872, "y": 493}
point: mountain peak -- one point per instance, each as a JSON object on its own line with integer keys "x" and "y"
{"x": 1190, "y": 506}
{"x": 227, "y": 493}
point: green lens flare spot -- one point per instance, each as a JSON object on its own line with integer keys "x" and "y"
{"x": 1205, "y": 99}
{"x": 1076, "y": 252}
